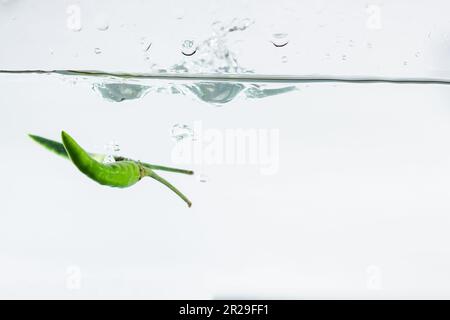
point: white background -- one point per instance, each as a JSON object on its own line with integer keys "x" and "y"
{"x": 358, "y": 209}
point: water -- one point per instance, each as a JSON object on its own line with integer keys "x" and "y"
{"x": 321, "y": 158}
{"x": 302, "y": 159}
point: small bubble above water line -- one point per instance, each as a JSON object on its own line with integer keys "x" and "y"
{"x": 101, "y": 22}
{"x": 279, "y": 39}
{"x": 179, "y": 13}
{"x": 188, "y": 47}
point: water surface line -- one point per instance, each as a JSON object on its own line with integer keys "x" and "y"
{"x": 248, "y": 77}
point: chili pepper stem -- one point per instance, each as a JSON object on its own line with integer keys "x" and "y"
{"x": 168, "y": 169}
{"x": 152, "y": 174}
{"x": 157, "y": 167}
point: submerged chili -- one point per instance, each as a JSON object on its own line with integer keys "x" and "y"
{"x": 122, "y": 173}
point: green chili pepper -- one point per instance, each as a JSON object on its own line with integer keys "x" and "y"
{"x": 121, "y": 174}
{"x": 59, "y": 149}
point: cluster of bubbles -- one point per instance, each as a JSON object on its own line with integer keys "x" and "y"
{"x": 181, "y": 132}
{"x": 111, "y": 149}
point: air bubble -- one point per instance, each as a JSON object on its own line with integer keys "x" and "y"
{"x": 109, "y": 159}
{"x": 112, "y": 147}
{"x": 280, "y": 39}
{"x": 284, "y": 59}
{"x": 181, "y": 132}
{"x": 101, "y": 22}
{"x": 188, "y": 47}
{"x": 146, "y": 44}
{"x": 202, "y": 178}
{"x": 179, "y": 13}
{"x": 97, "y": 50}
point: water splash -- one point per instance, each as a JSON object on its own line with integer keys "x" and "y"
{"x": 259, "y": 92}
{"x": 118, "y": 92}
{"x": 213, "y": 54}
{"x": 253, "y": 86}
{"x": 215, "y": 92}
